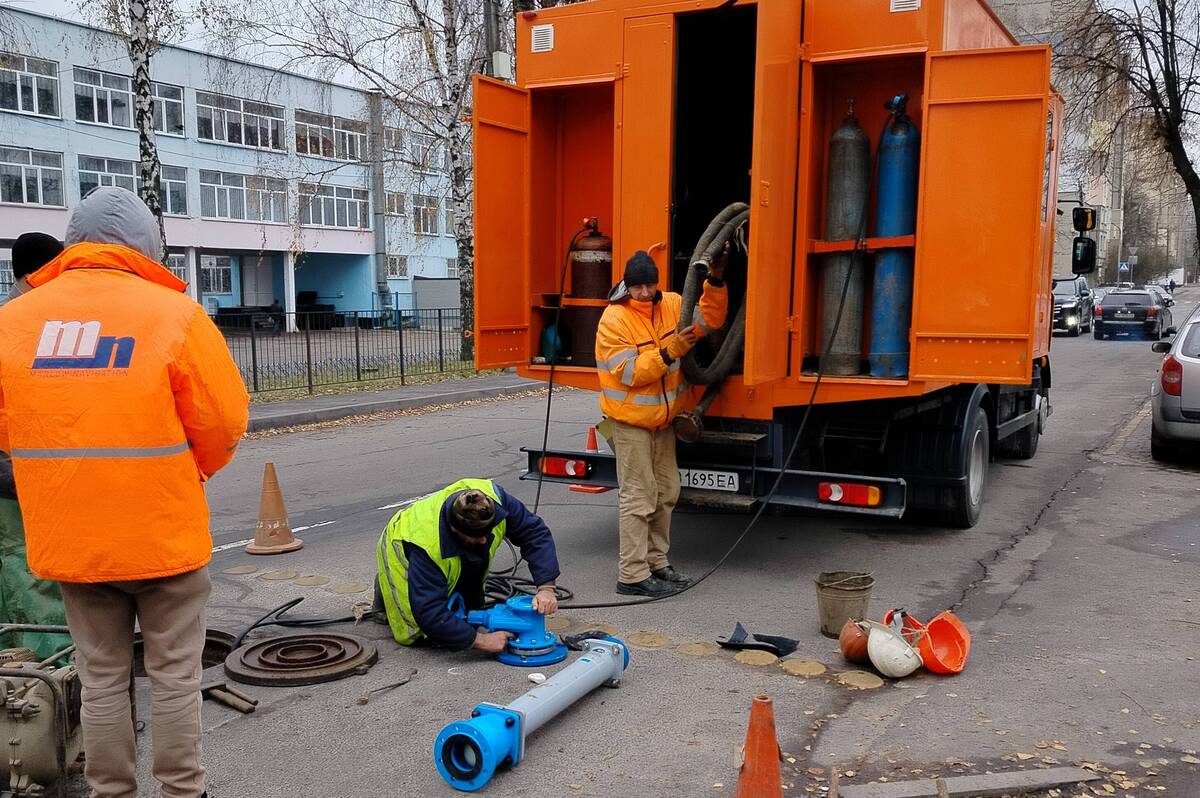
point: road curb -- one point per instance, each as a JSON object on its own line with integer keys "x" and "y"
{"x": 296, "y": 418}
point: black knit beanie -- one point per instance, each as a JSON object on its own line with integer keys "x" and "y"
{"x": 32, "y": 251}
{"x": 640, "y": 270}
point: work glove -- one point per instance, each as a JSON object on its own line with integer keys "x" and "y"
{"x": 681, "y": 343}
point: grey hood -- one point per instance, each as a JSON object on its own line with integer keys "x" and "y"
{"x": 110, "y": 215}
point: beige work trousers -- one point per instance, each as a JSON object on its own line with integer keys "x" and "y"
{"x": 648, "y": 488}
{"x": 170, "y": 612}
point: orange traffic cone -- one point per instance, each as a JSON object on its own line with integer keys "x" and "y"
{"x": 760, "y": 776}
{"x": 592, "y": 446}
{"x": 273, "y": 535}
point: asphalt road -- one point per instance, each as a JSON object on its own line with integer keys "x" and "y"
{"x": 1078, "y": 586}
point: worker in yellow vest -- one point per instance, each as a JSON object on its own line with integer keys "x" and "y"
{"x": 444, "y": 544}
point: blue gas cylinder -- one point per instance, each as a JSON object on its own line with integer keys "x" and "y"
{"x": 895, "y": 215}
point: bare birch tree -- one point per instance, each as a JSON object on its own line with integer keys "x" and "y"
{"x": 144, "y": 24}
{"x": 418, "y": 54}
{"x": 1150, "y": 50}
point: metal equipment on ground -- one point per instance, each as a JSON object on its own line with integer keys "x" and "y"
{"x": 40, "y": 719}
{"x": 532, "y": 646}
{"x": 468, "y": 752}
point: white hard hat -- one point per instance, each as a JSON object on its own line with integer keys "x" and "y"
{"x": 890, "y": 653}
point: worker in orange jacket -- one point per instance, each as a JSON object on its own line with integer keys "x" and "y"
{"x": 641, "y": 390}
{"x": 118, "y": 399}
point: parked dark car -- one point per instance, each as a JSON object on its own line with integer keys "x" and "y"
{"x": 1072, "y": 305}
{"x": 1133, "y": 312}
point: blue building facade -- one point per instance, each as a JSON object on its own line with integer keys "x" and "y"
{"x": 275, "y": 185}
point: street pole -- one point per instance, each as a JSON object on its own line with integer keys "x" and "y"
{"x": 491, "y": 34}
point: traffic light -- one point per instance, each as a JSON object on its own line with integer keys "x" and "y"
{"x": 1083, "y": 255}
{"x": 1084, "y": 219}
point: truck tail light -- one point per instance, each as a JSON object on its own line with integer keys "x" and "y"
{"x": 1151, "y": 313}
{"x": 851, "y": 493}
{"x": 1171, "y": 376}
{"x": 564, "y": 467}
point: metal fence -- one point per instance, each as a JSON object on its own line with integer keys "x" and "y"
{"x": 309, "y": 349}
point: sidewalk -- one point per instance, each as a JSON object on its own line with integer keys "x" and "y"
{"x": 315, "y": 409}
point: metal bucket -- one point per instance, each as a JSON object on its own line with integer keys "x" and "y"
{"x": 842, "y": 596}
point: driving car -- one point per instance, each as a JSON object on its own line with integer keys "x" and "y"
{"x": 1175, "y": 394}
{"x": 1072, "y": 305}
{"x": 1133, "y": 312}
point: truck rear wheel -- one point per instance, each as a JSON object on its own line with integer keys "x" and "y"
{"x": 966, "y": 498}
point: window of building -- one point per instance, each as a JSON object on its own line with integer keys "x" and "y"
{"x": 426, "y": 210}
{"x": 172, "y": 190}
{"x": 250, "y": 198}
{"x": 394, "y": 203}
{"x": 449, "y": 220}
{"x": 103, "y": 98}
{"x": 28, "y": 85}
{"x": 393, "y": 139}
{"x": 452, "y": 268}
{"x": 397, "y": 266}
{"x": 216, "y": 274}
{"x": 235, "y": 121}
{"x": 177, "y": 263}
{"x": 94, "y": 172}
{"x": 424, "y": 152}
{"x": 334, "y": 206}
{"x": 6, "y": 275}
{"x": 326, "y": 136}
{"x": 168, "y": 109}
{"x": 31, "y": 177}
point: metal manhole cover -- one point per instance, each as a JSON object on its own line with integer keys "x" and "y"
{"x": 301, "y": 659}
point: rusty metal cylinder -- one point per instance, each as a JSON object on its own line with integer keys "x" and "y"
{"x": 591, "y": 267}
{"x": 843, "y": 273}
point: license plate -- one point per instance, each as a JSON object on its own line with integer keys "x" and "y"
{"x": 1124, "y": 314}
{"x": 708, "y": 480}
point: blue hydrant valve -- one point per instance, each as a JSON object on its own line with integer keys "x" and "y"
{"x": 468, "y": 752}
{"x": 532, "y": 646}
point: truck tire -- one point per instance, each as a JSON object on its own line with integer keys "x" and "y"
{"x": 966, "y": 499}
{"x": 1022, "y": 445}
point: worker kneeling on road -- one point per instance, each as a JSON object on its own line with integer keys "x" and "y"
{"x": 444, "y": 544}
{"x": 641, "y": 391}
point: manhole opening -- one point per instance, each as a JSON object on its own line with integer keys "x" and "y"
{"x": 217, "y": 646}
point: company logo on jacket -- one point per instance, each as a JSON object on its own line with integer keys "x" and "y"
{"x": 79, "y": 345}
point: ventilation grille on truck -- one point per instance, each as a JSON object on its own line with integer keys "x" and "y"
{"x": 542, "y": 37}
{"x": 905, "y": 5}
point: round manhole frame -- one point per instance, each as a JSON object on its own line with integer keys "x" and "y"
{"x": 247, "y": 665}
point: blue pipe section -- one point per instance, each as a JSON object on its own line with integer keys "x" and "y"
{"x": 469, "y": 752}
{"x": 895, "y": 215}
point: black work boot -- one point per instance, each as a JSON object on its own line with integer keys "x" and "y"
{"x": 650, "y": 586}
{"x": 671, "y": 576}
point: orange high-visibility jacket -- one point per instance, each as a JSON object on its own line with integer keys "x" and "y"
{"x": 636, "y": 385}
{"x": 118, "y": 399}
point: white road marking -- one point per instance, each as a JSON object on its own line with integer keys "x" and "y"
{"x": 239, "y": 543}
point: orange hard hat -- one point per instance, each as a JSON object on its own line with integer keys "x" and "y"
{"x": 945, "y": 644}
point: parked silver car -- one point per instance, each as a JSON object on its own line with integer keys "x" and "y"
{"x": 1175, "y": 394}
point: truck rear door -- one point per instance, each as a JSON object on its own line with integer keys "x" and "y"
{"x": 773, "y": 189}
{"x": 987, "y": 194}
{"x": 500, "y": 125}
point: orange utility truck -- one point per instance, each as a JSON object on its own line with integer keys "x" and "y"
{"x": 890, "y": 306}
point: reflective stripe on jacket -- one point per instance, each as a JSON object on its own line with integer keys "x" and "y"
{"x": 420, "y": 525}
{"x": 636, "y": 385}
{"x": 118, "y": 398}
